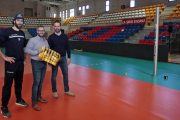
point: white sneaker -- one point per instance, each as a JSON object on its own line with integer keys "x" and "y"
{"x": 69, "y": 93}
{"x": 55, "y": 95}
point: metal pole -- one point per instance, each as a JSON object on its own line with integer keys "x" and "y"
{"x": 156, "y": 42}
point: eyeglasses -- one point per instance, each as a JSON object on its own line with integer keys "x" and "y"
{"x": 41, "y": 30}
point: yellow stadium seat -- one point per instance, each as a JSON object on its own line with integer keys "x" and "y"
{"x": 177, "y": 12}
{"x": 150, "y": 9}
{"x": 172, "y": 13}
{"x": 178, "y": 5}
{"x": 153, "y": 18}
{"x": 169, "y": 16}
{"x": 152, "y": 15}
{"x": 163, "y": 7}
{"x": 148, "y": 15}
{"x": 147, "y": 12}
{"x": 150, "y": 6}
{"x": 151, "y": 12}
{"x": 174, "y": 16}
{"x": 175, "y": 9}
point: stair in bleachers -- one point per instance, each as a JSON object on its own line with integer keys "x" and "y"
{"x": 28, "y": 35}
{"x": 75, "y": 32}
{"x": 167, "y": 11}
{"x": 164, "y": 34}
{"x": 175, "y": 13}
{"x": 138, "y": 36}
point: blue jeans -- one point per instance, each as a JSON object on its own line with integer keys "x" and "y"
{"x": 64, "y": 68}
{"x": 39, "y": 70}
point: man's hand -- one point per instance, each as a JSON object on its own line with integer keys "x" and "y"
{"x": 68, "y": 61}
{"x": 10, "y": 59}
{"x": 40, "y": 51}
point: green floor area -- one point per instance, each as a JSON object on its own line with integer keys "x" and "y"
{"x": 3, "y": 50}
{"x": 135, "y": 68}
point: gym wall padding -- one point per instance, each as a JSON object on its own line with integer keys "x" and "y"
{"x": 138, "y": 51}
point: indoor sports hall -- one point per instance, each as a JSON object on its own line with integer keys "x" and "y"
{"x": 125, "y": 59}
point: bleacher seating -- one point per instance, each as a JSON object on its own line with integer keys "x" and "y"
{"x": 113, "y": 17}
{"x": 175, "y": 13}
{"x": 113, "y": 33}
{"x": 75, "y": 32}
{"x": 68, "y": 20}
{"x": 116, "y": 16}
{"x": 2, "y": 29}
{"x": 83, "y": 19}
{"x": 30, "y": 21}
{"x": 163, "y": 33}
{"x": 4, "y": 20}
{"x": 33, "y": 31}
{"x": 36, "y": 21}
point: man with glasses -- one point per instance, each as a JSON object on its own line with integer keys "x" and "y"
{"x": 38, "y": 66}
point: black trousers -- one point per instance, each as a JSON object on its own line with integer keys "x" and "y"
{"x": 12, "y": 71}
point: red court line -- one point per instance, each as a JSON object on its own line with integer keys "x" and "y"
{"x": 99, "y": 96}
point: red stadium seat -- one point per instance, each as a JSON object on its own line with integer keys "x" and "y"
{"x": 146, "y": 42}
{"x": 151, "y": 34}
{"x": 141, "y": 41}
{"x": 166, "y": 26}
{"x": 151, "y": 42}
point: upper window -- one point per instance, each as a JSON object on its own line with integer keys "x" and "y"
{"x": 132, "y": 3}
{"x": 87, "y": 6}
{"x": 66, "y": 14}
{"x": 54, "y": 15}
{"x": 63, "y": 14}
{"x": 83, "y": 10}
{"x": 107, "y": 5}
{"x": 71, "y": 12}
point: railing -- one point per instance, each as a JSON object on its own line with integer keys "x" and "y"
{"x": 174, "y": 35}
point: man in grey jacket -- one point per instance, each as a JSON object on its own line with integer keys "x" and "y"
{"x": 38, "y": 66}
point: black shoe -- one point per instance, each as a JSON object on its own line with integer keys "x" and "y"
{"x": 5, "y": 112}
{"x": 22, "y": 103}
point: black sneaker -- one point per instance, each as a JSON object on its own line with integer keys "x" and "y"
{"x": 5, "y": 112}
{"x": 22, "y": 103}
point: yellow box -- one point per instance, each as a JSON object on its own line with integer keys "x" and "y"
{"x": 49, "y": 56}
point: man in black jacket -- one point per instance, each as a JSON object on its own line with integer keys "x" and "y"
{"x": 59, "y": 42}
